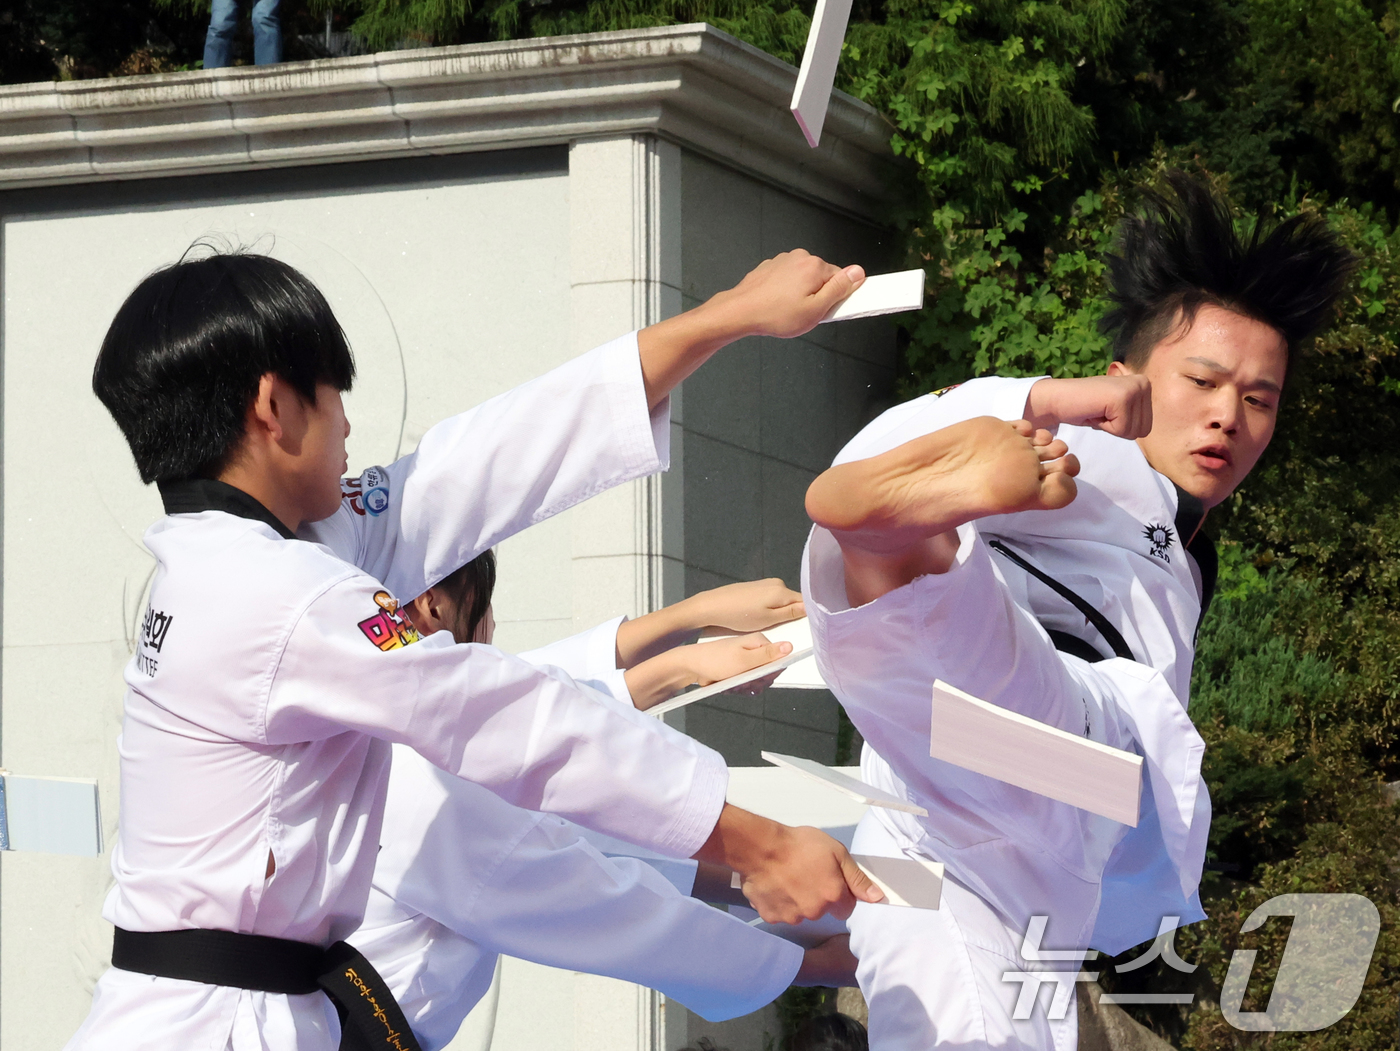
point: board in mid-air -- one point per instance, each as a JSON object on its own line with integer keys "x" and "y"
{"x": 986, "y": 739}
{"x": 817, "y": 76}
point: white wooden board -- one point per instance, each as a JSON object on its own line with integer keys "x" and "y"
{"x": 911, "y": 882}
{"x": 682, "y": 699}
{"x": 844, "y": 783}
{"x": 882, "y": 294}
{"x": 817, "y": 77}
{"x": 54, "y": 815}
{"x": 986, "y": 739}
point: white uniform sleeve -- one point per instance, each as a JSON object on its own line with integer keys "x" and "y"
{"x": 527, "y": 885}
{"x": 507, "y": 464}
{"x": 537, "y": 740}
{"x": 590, "y": 657}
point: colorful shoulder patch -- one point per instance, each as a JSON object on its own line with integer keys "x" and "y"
{"x": 367, "y": 494}
{"x": 389, "y": 629}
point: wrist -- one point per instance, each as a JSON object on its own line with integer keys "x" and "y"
{"x": 743, "y": 841}
{"x": 1042, "y": 409}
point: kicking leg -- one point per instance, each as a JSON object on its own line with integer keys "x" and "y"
{"x": 894, "y": 515}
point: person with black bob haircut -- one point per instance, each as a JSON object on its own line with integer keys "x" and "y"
{"x": 1061, "y": 576}
{"x": 275, "y": 665}
{"x": 182, "y": 359}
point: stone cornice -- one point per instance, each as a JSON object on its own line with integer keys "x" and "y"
{"x": 692, "y": 84}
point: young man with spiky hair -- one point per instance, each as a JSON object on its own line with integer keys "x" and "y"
{"x": 1061, "y": 576}
{"x": 274, "y": 672}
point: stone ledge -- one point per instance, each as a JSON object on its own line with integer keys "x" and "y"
{"x": 693, "y": 84}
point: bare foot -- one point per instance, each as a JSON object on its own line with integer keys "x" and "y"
{"x": 894, "y": 514}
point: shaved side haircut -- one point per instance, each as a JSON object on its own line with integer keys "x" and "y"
{"x": 1183, "y": 251}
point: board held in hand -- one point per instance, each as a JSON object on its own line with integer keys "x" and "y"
{"x": 986, "y": 739}
{"x": 817, "y": 76}
{"x": 915, "y": 883}
{"x": 690, "y": 697}
{"x": 882, "y": 294}
{"x": 844, "y": 783}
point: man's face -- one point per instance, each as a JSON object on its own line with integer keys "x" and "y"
{"x": 324, "y": 447}
{"x": 1215, "y": 395}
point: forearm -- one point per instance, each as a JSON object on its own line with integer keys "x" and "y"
{"x": 672, "y": 349}
{"x": 653, "y": 633}
{"x": 715, "y": 884}
{"x": 659, "y": 678}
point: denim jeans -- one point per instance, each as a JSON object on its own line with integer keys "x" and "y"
{"x": 223, "y": 27}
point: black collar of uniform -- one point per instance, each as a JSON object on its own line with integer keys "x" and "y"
{"x": 193, "y": 495}
{"x": 1190, "y": 516}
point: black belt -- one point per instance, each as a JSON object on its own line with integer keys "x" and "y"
{"x": 369, "y": 1016}
{"x": 1069, "y": 643}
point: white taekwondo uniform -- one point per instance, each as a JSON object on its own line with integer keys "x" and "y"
{"x": 273, "y": 673}
{"x": 462, "y": 876}
{"x": 935, "y": 977}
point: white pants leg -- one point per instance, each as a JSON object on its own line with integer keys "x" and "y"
{"x": 934, "y": 979}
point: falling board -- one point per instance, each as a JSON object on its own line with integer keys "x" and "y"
{"x": 843, "y": 783}
{"x": 682, "y": 699}
{"x": 817, "y": 76}
{"x": 985, "y": 739}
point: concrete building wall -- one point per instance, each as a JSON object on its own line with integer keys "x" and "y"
{"x": 761, "y": 421}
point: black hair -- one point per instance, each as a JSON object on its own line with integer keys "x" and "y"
{"x": 833, "y": 1032}
{"x": 468, "y": 589}
{"x": 181, "y": 361}
{"x": 1184, "y": 252}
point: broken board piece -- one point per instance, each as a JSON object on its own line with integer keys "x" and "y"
{"x": 911, "y": 882}
{"x": 1010, "y": 747}
{"x": 812, "y": 94}
{"x": 52, "y": 815}
{"x": 844, "y": 783}
{"x": 882, "y": 294}
{"x": 801, "y": 675}
{"x": 680, "y": 700}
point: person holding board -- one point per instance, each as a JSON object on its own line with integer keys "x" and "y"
{"x": 1061, "y": 576}
{"x": 257, "y": 729}
{"x": 462, "y": 876}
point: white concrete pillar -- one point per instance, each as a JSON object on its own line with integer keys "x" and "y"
{"x": 625, "y": 272}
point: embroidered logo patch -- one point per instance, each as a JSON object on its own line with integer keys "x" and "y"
{"x": 388, "y": 629}
{"x": 367, "y": 494}
{"x": 1160, "y": 537}
{"x": 376, "y": 489}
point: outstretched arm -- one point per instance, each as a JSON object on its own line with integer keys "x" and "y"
{"x": 593, "y": 423}
{"x": 783, "y": 296}
{"x": 752, "y": 605}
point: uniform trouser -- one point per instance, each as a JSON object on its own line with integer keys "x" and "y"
{"x": 937, "y": 978}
